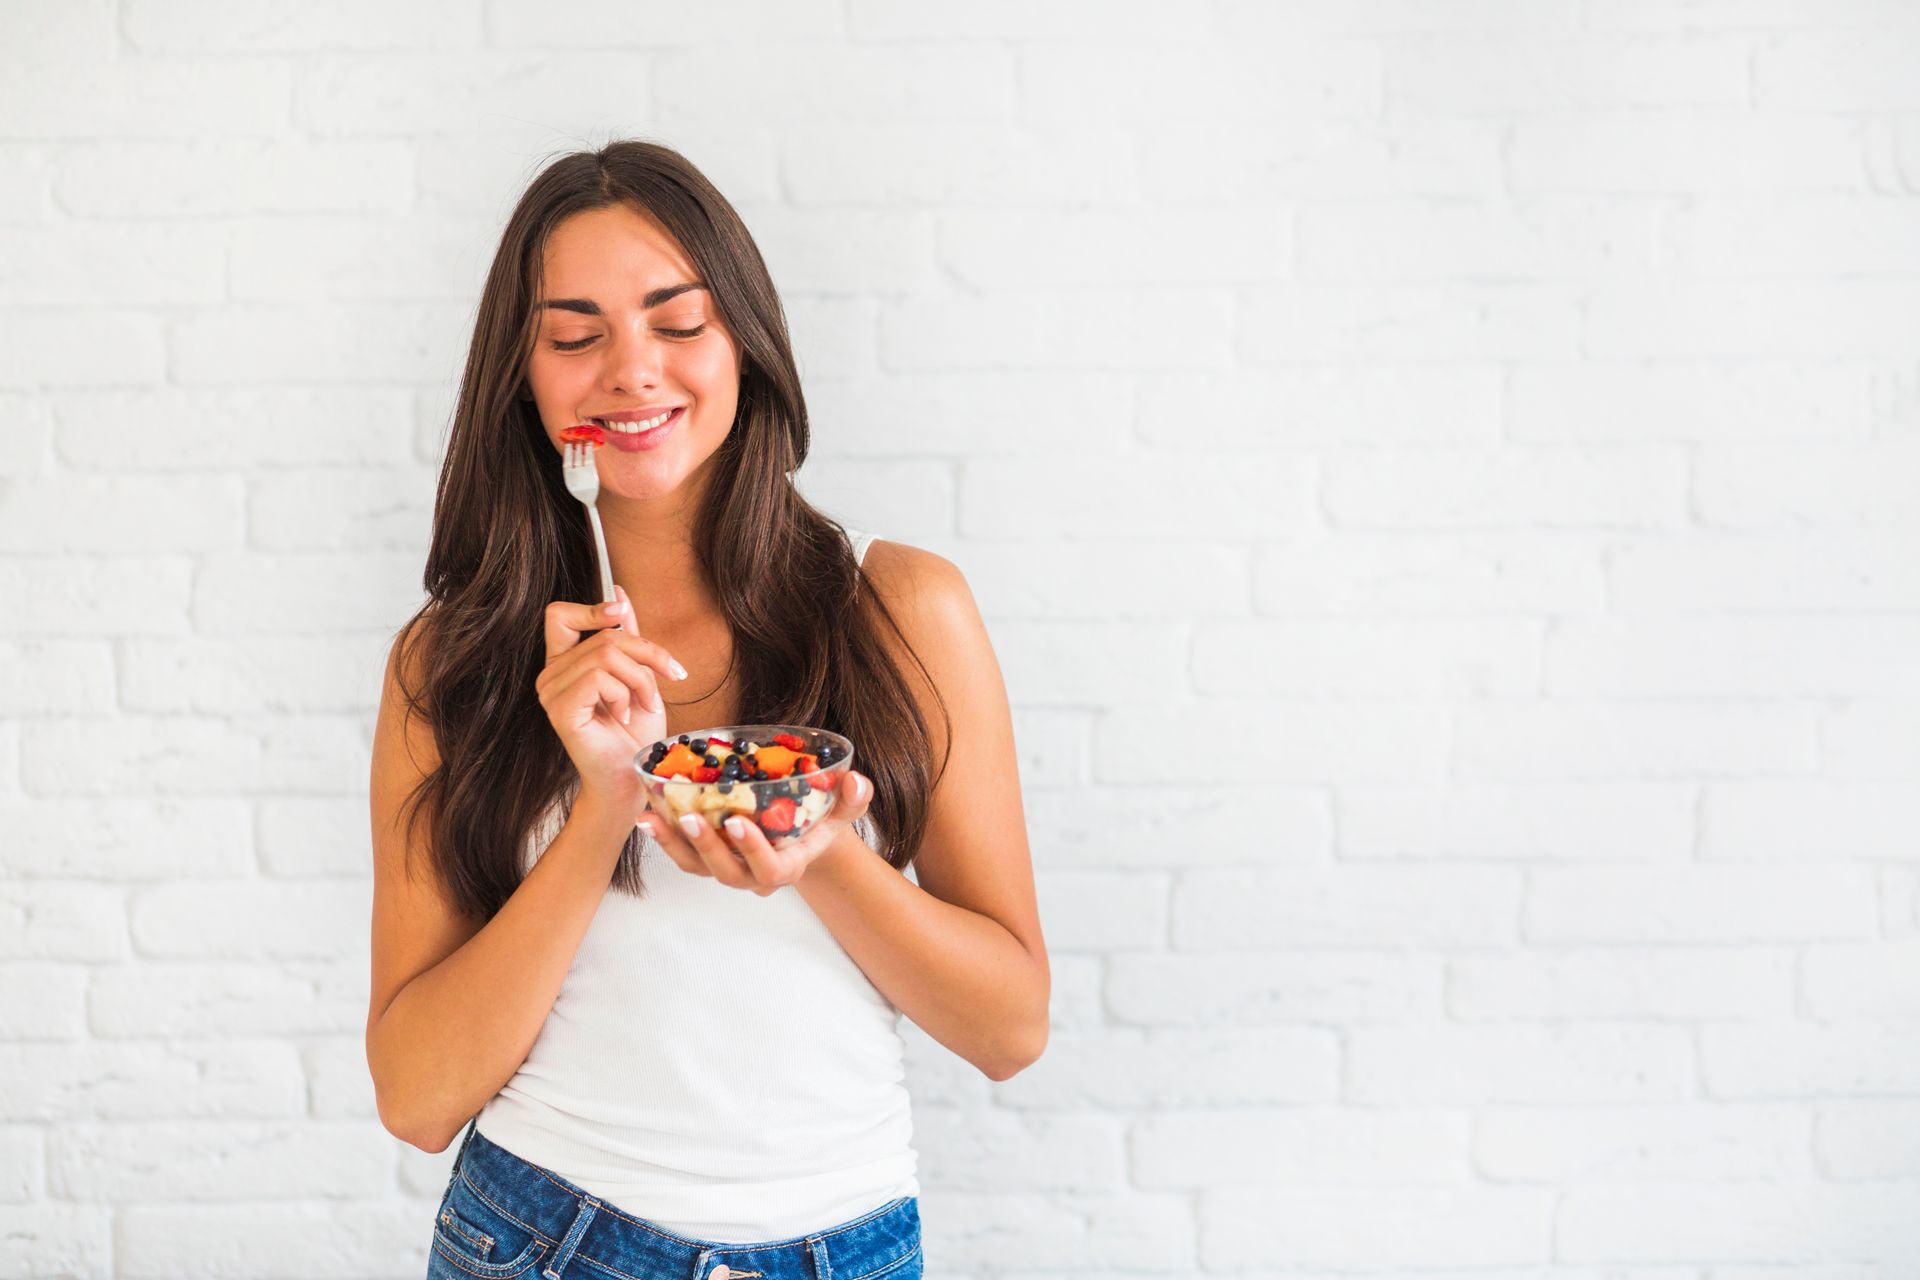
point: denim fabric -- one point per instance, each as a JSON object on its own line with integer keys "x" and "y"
{"x": 503, "y": 1217}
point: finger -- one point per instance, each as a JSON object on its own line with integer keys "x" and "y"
{"x": 855, "y": 793}
{"x": 644, "y": 681}
{"x": 639, "y": 662}
{"x": 722, "y": 858}
{"x": 642, "y": 651}
{"x": 771, "y": 867}
{"x": 621, "y": 617}
{"x": 675, "y": 845}
{"x": 567, "y": 621}
{"x": 562, "y": 661}
{"x": 716, "y": 853}
{"x": 581, "y": 698}
{"x": 674, "y": 840}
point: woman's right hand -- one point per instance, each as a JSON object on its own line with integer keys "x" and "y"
{"x": 602, "y": 693}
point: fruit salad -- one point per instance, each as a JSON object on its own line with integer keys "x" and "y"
{"x": 783, "y": 778}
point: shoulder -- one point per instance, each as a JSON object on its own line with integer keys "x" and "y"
{"x": 927, "y": 593}
{"x": 943, "y": 646}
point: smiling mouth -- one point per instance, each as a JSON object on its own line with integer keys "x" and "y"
{"x": 636, "y": 428}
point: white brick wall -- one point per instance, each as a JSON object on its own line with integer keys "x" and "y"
{"x": 1460, "y": 455}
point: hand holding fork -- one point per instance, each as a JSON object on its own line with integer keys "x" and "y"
{"x": 583, "y": 482}
{"x": 621, "y": 674}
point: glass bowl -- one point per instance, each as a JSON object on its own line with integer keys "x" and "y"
{"x": 803, "y": 768}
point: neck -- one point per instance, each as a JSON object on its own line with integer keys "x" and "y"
{"x": 650, "y": 549}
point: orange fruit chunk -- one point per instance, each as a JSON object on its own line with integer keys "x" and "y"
{"x": 679, "y": 761}
{"x": 776, "y": 760}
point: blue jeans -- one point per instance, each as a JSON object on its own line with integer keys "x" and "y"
{"x": 503, "y": 1216}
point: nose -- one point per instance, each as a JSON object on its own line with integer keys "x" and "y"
{"x": 636, "y": 359}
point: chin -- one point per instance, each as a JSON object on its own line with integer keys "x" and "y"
{"x": 640, "y": 487}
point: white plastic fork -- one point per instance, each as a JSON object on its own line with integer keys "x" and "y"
{"x": 583, "y": 482}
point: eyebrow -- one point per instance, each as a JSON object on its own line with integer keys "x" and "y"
{"x": 588, "y": 307}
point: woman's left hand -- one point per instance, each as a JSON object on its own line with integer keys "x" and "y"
{"x": 747, "y": 860}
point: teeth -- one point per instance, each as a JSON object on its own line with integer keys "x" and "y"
{"x": 634, "y": 428}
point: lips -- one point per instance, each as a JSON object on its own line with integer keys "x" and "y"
{"x": 635, "y": 442}
{"x": 636, "y": 415}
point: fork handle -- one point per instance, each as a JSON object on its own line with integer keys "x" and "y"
{"x": 600, "y": 554}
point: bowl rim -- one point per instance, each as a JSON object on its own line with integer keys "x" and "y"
{"x": 738, "y": 731}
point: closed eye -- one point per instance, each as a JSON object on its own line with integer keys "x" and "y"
{"x": 671, "y": 333}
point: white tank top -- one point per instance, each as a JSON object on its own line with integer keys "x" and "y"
{"x": 715, "y": 1062}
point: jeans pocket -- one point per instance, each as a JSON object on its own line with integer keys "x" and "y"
{"x": 908, "y": 1266}
{"x": 472, "y": 1238}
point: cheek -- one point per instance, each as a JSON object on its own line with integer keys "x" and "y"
{"x": 714, "y": 376}
{"x": 559, "y": 385}
{"x": 552, "y": 379}
{"x": 713, "y": 363}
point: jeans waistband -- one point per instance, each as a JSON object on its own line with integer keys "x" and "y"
{"x": 572, "y": 1221}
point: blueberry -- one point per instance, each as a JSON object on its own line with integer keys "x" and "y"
{"x": 698, "y": 744}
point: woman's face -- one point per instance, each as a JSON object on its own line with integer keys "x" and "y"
{"x": 602, "y": 350}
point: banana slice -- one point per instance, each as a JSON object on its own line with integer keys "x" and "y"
{"x": 682, "y": 796}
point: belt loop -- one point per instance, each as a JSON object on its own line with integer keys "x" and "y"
{"x": 822, "y": 1269}
{"x": 588, "y": 1207}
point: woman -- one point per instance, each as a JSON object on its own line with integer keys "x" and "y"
{"x": 679, "y": 1052}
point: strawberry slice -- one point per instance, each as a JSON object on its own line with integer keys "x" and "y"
{"x": 791, "y": 741}
{"x": 777, "y": 818}
{"x": 810, "y": 765}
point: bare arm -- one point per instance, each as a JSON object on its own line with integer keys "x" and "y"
{"x": 962, "y": 954}
{"x": 457, "y": 1001}
{"x": 455, "y": 1033}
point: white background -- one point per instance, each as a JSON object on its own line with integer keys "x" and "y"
{"x": 1440, "y": 477}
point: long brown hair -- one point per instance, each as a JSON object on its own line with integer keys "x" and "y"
{"x": 508, "y": 538}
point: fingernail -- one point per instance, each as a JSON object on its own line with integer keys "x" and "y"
{"x": 616, "y": 608}
{"x": 691, "y": 825}
{"x": 626, "y": 714}
{"x": 679, "y": 672}
{"x": 735, "y": 827}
